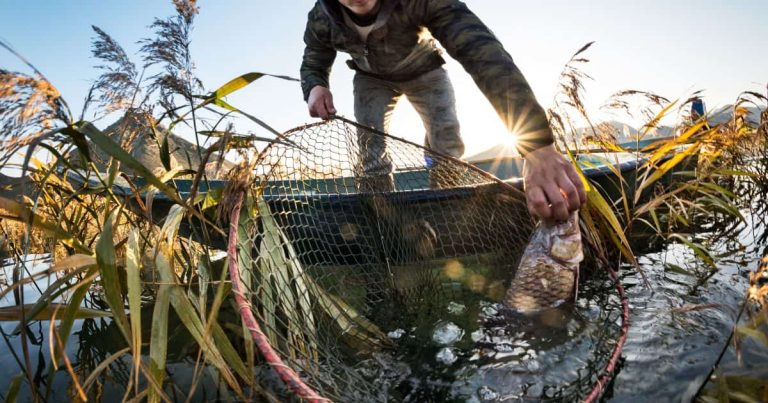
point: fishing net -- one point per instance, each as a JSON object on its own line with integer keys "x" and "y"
{"x": 369, "y": 268}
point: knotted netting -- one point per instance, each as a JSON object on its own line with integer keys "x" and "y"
{"x": 369, "y": 268}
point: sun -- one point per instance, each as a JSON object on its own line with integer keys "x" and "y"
{"x": 509, "y": 140}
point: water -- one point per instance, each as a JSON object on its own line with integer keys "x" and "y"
{"x": 460, "y": 345}
{"x": 457, "y": 342}
{"x": 92, "y": 342}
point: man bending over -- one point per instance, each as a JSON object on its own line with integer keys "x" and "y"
{"x": 393, "y": 50}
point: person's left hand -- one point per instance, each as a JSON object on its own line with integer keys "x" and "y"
{"x": 553, "y": 188}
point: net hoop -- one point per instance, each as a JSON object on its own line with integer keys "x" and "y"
{"x": 286, "y": 373}
{"x": 291, "y": 379}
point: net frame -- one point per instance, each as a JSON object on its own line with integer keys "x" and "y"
{"x": 288, "y": 374}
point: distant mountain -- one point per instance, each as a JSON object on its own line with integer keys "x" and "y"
{"x": 145, "y": 149}
{"x": 620, "y": 131}
{"x": 725, "y": 114}
{"x": 497, "y": 151}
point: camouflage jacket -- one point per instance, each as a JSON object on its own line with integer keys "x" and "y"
{"x": 399, "y": 35}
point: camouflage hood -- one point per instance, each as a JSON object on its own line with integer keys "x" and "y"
{"x": 402, "y": 46}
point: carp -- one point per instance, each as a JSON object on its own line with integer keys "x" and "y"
{"x": 548, "y": 272}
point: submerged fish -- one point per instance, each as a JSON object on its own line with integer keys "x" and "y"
{"x": 549, "y": 268}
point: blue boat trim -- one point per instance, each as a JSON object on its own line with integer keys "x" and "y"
{"x": 341, "y": 188}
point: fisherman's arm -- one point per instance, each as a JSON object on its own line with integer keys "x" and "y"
{"x": 552, "y": 184}
{"x": 316, "y": 64}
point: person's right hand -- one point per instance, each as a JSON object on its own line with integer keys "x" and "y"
{"x": 320, "y": 102}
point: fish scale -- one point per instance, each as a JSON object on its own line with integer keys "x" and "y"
{"x": 549, "y": 268}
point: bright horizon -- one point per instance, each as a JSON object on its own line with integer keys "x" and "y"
{"x": 671, "y": 49}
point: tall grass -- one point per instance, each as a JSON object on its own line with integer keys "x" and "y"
{"x": 701, "y": 180}
{"x": 111, "y": 255}
{"x": 679, "y": 178}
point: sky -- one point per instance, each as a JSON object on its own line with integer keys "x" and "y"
{"x": 671, "y": 47}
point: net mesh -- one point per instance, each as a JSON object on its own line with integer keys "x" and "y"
{"x": 373, "y": 268}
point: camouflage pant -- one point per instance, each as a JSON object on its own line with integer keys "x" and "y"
{"x": 431, "y": 94}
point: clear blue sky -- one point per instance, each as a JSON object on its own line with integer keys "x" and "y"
{"x": 669, "y": 47}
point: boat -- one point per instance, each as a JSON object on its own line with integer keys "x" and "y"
{"x": 319, "y": 207}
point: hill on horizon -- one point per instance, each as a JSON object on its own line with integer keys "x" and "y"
{"x": 623, "y": 132}
{"x": 183, "y": 153}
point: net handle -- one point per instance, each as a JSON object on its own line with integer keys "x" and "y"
{"x": 286, "y": 373}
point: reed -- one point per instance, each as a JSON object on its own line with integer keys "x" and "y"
{"x": 681, "y": 177}
{"x": 106, "y": 255}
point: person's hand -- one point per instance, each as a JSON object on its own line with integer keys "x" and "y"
{"x": 320, "y": 102}
{"x": 552, "y": 185}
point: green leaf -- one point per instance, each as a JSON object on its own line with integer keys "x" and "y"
{"x": 53, "y": 291}
{"x": 117, "y": 152}
{"x": 133, "y": 277}
{"x": 75, "y": 302}
{"x": 175, "y": 173}
{"x": 656, "y": 222}
{"x": 110, "y": 280}
{"x": 13, "y": 389}
{"x": 610, "y": 222}
{"x": 186, "y": 311}
{"x": 158, "y": 342}
{"x": 241, "y": 82}
{"x": 13, "y": 313}
{"x": 236, "y": 84}
{"x": 615, "y": 230}
{"x": 225, "y": 105}
{"x": 697, "y": 248}
{"x": 718, "y": 189}
{"x": 73, "y": 265}
{"x": 677, "y": 269}
{"x": 165, "y": 153}
{"x": 79, "y": 140}
{"x": 278, "y": 258}
{"x": 669, "y": 145}
{"x": 733, "y": 172}
{"x": 280, "y": 262}
{"x": 354, "y": 328}
{"x": 666, "y": 167}
{"x": 240, "y": 137}
{"x": 171, "y": 225}
{"x": 212, "y": 198}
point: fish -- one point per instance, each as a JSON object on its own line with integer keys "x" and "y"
{"x": 548, "y": 273}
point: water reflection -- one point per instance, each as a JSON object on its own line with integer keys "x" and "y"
{"x": 93, "y": 342}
